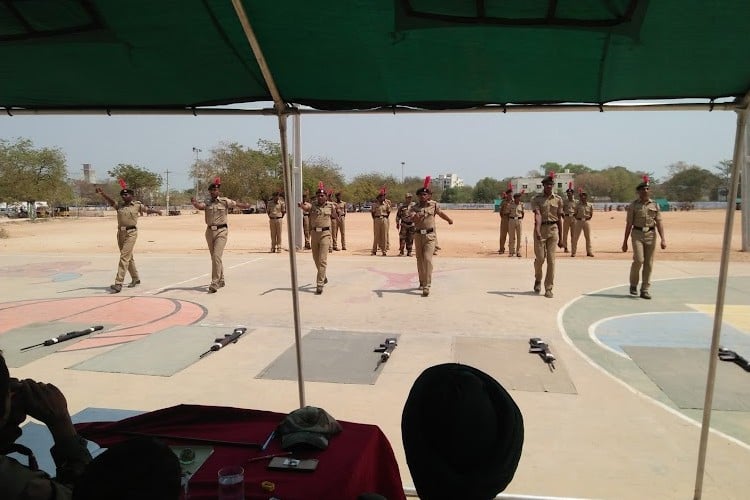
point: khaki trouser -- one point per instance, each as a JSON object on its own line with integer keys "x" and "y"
{"x": 544, "y": 249}
{"x": 339, "y": 227}
{"x": 321, "y": 242}
{"x": 581, "y": 225}
{"x": 334, "y": 231}
{"x": 514, "y": 231}
{"x": 568, "y": 224}
{"x": 406, "y": 237}
{"x": 644, "y": 246}
{"x": 424, "y": 246}
{"x": 306, "y": 229}
{"x": 126, "y": 242}
{"x": 275, "y": 225}
{"x": 217, "y": 240}
{"x": 379, "y": 234}
{"x": 503, "y": 231}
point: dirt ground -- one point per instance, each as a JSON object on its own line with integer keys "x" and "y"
{"x": 692, "y": 235}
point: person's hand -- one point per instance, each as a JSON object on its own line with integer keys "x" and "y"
{"x": 450, "y": 222}
{"x": 98, "y": 190}
{"x": 538, "y": 235}
{"x": 192, "y": 200}
{"x": 625, "y": 246}
{"x": 560, "y": 244}
{"x": 663, "y": 245}
{"x": 46, "y": 403}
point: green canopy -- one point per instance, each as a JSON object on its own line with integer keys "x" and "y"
{"x": 363, "y": 54}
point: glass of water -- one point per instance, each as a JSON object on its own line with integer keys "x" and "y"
{"x": 232, "y": 483}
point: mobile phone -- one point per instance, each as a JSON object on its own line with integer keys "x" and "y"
{"x": 295, "y": 464}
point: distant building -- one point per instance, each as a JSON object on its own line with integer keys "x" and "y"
{"x": 88, "y": 174}
{"x": 533, "y": 185}
{"x": 445, "y": 181}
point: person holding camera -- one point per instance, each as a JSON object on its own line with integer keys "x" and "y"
{"x": 46, "y": 403}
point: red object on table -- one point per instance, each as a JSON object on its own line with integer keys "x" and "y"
{"x": 358, "y": 460}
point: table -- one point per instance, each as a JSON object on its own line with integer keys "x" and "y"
{"x": 358, "y": 460}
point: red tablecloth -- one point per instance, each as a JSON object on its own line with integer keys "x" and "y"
{"x": 357, "y": 460}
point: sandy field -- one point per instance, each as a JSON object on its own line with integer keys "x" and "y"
{"x": 691, "y": 236}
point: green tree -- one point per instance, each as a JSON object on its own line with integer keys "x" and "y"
{"x": 365, "y": 187}
{"x": 693, "y": 184}
{"x": 487, "y": 190}
{"x": 145, "y": 184}
{"x": 31, "y": 174}
{"x": 323, "y": 170}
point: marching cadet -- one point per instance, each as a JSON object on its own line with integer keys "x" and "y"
{"x": 423, "y": 215}
{"x": 216, "y": 209}
{"x": 547, "y": 207}
{"x": 276, "y": 209}
{"x": 306, "y": 220}
{"x": 128, "y": 211}
{"x": 339, "y": 227}
{"x": 380, "y": 211}
{"x": 505, "y": 209}
{"x": 583, "y": 212}
{"x": 322, "y": 213}
{"x": 405, "y": 226}
{"x": 569, "y": 208}
{"x": 515, "y": 225}
{"x": 642, "y": 218}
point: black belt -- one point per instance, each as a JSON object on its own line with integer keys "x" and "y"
{"x": 274, "y": 218}
{"x": 379, "y": 216}
{"x": 342, "y": 216}
{"x": 320, "y": 229}
{"x": 305, "y": 215}
{"x": 547, "y": 222}
{"x": 425, "y": 231}
{"x": 214, "y": 227}
{"x": 567, "y": 216}
{"x": 407, "y": 223}
{"x": 579, "y": 219}
{"x": 127, "y": 228}
{"x": 516, "y": 218}
{"x": 647, "y": 228}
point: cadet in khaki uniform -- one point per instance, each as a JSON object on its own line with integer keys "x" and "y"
{"x": 405, "y": 226}
{"x": 515, "y": 226}
{"x": 583, "y": 213}
{"x": 568, "y": 223}
{"x": 339, "y": 226}
{"x": 322, "y": 213}
{"x": 505, "y": 209}
{"x": 547, "y": 208}
{"x": 217, "y": 209}
{"x": 423, "y": 214}
{"x": 642, "y": 218}
{"x": 128, "y": 211}
{"x": 276, "y": 209}
{"x": 380, "y": 211}
{"x": 306, "y": 221}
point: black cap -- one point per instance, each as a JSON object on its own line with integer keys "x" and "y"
{"x": 423, "y": 190}
{"x": 126, "y": 191}
{"x": 548, "y": 180}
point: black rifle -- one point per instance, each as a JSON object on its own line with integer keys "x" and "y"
{"x": 66, "y": 336}
{"x": 538, "y": 346}
{"x": 229, "y": 338}
{"x": 727, "y": 355}
{"x": 385, "y": 349}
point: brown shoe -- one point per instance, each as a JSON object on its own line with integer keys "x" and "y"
{"x": 645, "y": 294}
{"x": 117, "y": 288}
{"x": 537, "y": 286}
{"x": 425, "y": 292}
{"x": 589, "y": 255}
{"x": 548, "y": 294}
{"x": 212, "y": 289}
{"x": 319, "y": 290}
{"x": 134, "y": 283}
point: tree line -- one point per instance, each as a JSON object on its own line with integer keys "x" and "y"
{"x": 28, "y": 173}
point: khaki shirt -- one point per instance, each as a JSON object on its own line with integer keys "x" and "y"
{"x": 505, "y": 207}
{"x": 127, "y": 215}
{"x": 643, "y": 214}
{"x": 276, "y": 209}
{"x": 430, "y": 209}
{"x": 381, "y": 208}
{"x": 320, "y": 215}
{"x": 340, "y": 208}
{"x": 569, "y": 206}
{"x": 516, "y": 210}
{"x": 403, "y": 215}
{"x": 217, "y": 210}
{"x": 548, "y": 207}
{"x": 584, "y": 210}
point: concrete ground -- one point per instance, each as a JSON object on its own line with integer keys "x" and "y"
{"x": 616, "y": 437}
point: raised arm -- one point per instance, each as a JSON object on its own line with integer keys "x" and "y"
{"x": 198, "y": 205}
{"x": 106, "y": 197}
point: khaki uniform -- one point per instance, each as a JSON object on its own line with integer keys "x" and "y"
{"x": 217, "y": 233}
{"x": 569, "y": 209}
{"x": 505, "y": 209}
{"x": 424, "y": 240}
{"x": 127, "y": 234}
{"x": 583, "y": 214}
{"x": 515, "y": 228}
{"x": 406, "y": 228}
{"x": 275, "y": 210}
{"x": 339, "y": 226}
{"x": 381, "y": 210}
{"x": 320, "y": 237}
{"x": 643, "y": 217}
{"x": 306, "y": 227}
{"x": 544, "y": 249}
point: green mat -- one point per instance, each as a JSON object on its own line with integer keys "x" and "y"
{"x": 509, "y": 362}
{"x": 163, "y": 353}
{"x": 333, "y": 356}
{"x": 12, "y": 341}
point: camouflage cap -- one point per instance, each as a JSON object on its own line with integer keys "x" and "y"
{"x": 310, "y": 426}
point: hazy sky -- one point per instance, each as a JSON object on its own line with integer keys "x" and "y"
{"x": 473, "y": 146}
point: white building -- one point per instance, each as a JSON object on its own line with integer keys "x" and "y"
{"x": 446, "y": 181}
{"x": 534, "y": 184}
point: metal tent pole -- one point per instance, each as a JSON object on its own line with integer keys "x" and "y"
{"x": 739, "y": 156}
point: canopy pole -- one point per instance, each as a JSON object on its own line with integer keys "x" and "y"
{"x": 738, "y": 160}
{"x": 282, "y": 110}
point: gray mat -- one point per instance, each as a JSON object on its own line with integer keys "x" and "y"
{"x": 509, "y": 362}
{"x": 332, "y": 356}
{"x": 681, "y": 374}
{"x": 163, "y": 353}
{"x": 12, "y": 341}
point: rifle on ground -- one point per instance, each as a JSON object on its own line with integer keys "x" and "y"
{"x": 728, "y": 355}
{"x": 538, "y": 346}
{"x": 229, "y": 338}
{"x": 65, "y": 336}
{"x": 385, "y": 349}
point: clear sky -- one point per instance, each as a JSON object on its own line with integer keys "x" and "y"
{"x": 473, "y": 146}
